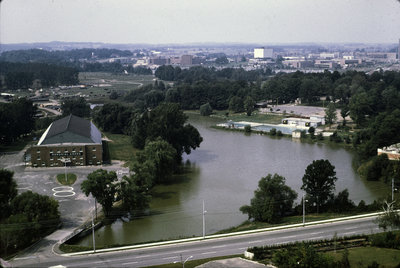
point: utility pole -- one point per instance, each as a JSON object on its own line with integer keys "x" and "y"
{"x": 94, "y": 241}
{"x": 204, "y": 221}
{"x": 392, "y": 189}
{"x": 304, "y": 211}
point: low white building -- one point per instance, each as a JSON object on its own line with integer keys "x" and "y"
{"x": 303, "y": 122}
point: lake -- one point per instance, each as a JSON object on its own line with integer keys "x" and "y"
{"x": 224, "y": 172}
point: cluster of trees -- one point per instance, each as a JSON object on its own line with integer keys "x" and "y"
{"x": 162, "y": 136}
{"x": 274, "y": 199}
{"x": 61, "y": 56}
{"x": 112, "y": 67}
{"x": 76, "y": 106}
{"x": 24, "y": 218}
{"x": 199, "y": 73}
{"x": 22, "y": 75}
{"x": 16, "y": 119}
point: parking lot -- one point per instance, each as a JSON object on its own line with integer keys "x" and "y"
{"x": 74, "y": 206}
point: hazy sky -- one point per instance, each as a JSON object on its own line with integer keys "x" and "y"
{"x": 183, "y": 21}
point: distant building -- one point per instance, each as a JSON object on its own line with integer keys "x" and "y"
{"x": 313, "y": 121}
{"x": 71, "y": 139}
{"x": 392, "y": 151}
{"x": 186, "y": 60}
{"x": 263, "y": 53}
{"x": 398, "y": 51}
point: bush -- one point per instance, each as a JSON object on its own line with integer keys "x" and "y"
{"x": 279, "y": 133}
{"x": 205, "y": 109}
{"x": 335, "y": 137}
{"x": 386, "y": 240}
{"x": 303, "y": 134}
{"x": 247, "y": 128}
{"x": 272, "y": 132}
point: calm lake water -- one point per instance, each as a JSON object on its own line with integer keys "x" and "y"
{"x": 224, "y": 172}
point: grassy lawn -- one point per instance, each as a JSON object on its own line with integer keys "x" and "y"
{"x": 121, "y": 148}
{"x": 364, "y": 256}
{"x": 16, "y": 146}
{"x": 194, "y": 263}
{"x": 255, "y": 117}
{"x": 71, "y": 178}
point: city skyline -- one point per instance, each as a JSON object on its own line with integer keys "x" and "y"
{"x": 178, "y": 21}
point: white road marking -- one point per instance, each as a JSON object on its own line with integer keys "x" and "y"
{"x": 211, "y": 252}
{"x": 129, "y": 263}
{"x": 167, "y": 258}
{"x": 257, "y": 241}
{"x": 219, "y": 246}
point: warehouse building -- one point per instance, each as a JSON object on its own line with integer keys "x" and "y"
{"x": 70, "y": 141}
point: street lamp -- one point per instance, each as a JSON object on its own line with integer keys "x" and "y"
{"x": 304, "y": 210}
{"x": 183, "y": 262}
{"x": 65, "y": 160}
{"x": 204, "y": 221}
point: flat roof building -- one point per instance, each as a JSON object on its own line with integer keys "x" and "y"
{"x": 263, "y": 53}
{"x": 71, "y": 139}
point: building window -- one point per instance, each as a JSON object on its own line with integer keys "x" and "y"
{"x": 51, "y": 151}
{"x": 38, "y": 158}
{"x": 43, "y": 164}
{"x": 38, "y": 151}
{"x": 58, "y": 151}
{"x": 94, "y": 149}
{"x": 66, "y": 150}
{"x": 80, "y": 150}
{"x": 73, "y": 150}
{"x": 51, "y": 158}
{"x": 94, "y": 157}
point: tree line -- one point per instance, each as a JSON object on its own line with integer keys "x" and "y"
{"x": 61, "y": 56}
{"x": 22, "y": 75}
{"x": 16, "y": 119}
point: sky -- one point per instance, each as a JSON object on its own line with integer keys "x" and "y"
{"x": 193, "y": 21}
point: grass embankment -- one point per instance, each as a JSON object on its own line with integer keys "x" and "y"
{"x": 71, "y": 178}
{"x": 17, "y": 145}
{"x": 365, "y": 256}
{"x": 256, "y": 117}
{"x": 121, "y": 148}
{"x": 253, "y": 225}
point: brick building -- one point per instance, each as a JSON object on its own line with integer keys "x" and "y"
{"x": 72, "y": 139}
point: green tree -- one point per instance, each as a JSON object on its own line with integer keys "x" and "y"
{"x": 360, "y": 107}
{"x": 236, "y": 104}
{"x": 135, "y": 194}
{"x": 330, "y": 113}
{"x": 319, "y": 182}
{"x": 272, "y": 199}
{"x": 168, "y": 122}
{"x": 301, "y": 255}
{"x": 8, "y": 191}
{"x": 249, "y": 105}
{"x": 205, "y": 109}
{"x": 163, "y": 157}
{"x": 103, "y": 186}
{"x": 344, "y": 112}
{"x": 76, "y": 106}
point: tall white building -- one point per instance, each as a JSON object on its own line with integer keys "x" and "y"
{"x": 263, "y": 53}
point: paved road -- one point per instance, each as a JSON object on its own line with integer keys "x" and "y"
{"x": 207, "y": 248}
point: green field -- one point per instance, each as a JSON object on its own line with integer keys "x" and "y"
{"x": 364, "y": 256}
{"x": 121, "y": 148}
{"x": 115, "y": 81}
{"x": 71, "y": 178}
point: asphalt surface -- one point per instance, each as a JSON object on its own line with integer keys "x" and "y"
{"x": 205, "y": 248}
{"x": 74, "y": 206}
